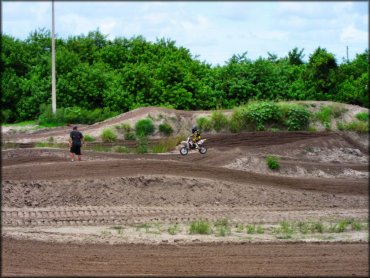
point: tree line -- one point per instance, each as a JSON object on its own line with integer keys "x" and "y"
{"x": 122, "y": 74}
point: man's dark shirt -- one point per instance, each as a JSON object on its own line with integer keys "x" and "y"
{"x": 76, "y": 138}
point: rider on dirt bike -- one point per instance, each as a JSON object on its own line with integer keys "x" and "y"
{"x": 195, "y": 136}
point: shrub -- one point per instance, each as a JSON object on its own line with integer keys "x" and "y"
{"x": 88, "y": 138}
{"x": 251, "y": 229}
{"x": 222, "y": 227}
{"x": 166, "y": 145}
{"x": 173, "y": 230}
{"x": 357, "y": 126}
{"x": 356, "y": 226}
{"x": 108, "y": 135}
{"x": 237, "y": 121}
{"x": 261, "y": 113}
{"x": 363, "y": 116}
{"x": 204, "y": 123}
{"x": 272, "y": 162}
{"x": 317, "y": 227}
{"x": 166, "y": 129}
{"x": 130, "y": 136}
{"x": 298, "y": 118}
{"x": 142, "y": 145}
{"x": 120, "y": 149}
{"x": 303, "y": 227}
{"x": 200, "y": 227}
{"x": 337, "y": 110}
{"x": 324, "y": 114}
{"x": 260, "y": 230}
{"x": 144, "y": 127}
{"x": 219, "y": 120}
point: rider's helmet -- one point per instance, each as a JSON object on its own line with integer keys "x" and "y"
{"x": 194, "y": 129}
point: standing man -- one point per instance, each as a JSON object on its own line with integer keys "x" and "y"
{"x": 76, "y": 139}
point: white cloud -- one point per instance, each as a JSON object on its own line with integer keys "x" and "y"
{"x": 351, "y": 34}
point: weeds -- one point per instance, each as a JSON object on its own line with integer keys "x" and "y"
{"x": 272, "y": 162}
{"x": 89, "y": 138}
{"x": 357, "y": 126}
{"x": 239, "y": 228}
{"x": 166, "y": 129}
{"x": 144, "y": 127}
{"x": 200, "y": 227}
{"x": 362, "y": 116}
{"x": 222, "y": 227}
{"x": 324, "y": 114}
{"x": 108, "y": 135}
{"x": 260, "y": 230}
{"x": 174, "y": 229}
{"x": 219, "y": 120}
{"x": 119, "y": 229}
{"x": 120, "y": 149}
{"x": 204, "y": 123}
{"x": 145, "y": 226}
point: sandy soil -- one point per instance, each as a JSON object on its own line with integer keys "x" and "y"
{"x": 110, "y": 214}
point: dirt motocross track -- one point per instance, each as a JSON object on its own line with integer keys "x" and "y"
{"x": 50, "y": 208}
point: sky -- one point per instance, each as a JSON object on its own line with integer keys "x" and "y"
{"x": 212, "y": 31}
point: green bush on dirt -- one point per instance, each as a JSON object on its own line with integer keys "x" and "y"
{"x": 130, "y": 136}
{"x": 298, "y": 118}
{"x": 108, "y": 135}
{"x": 142, "y": 146}
{"x": 272, "y": 162}
{"x": 261, "y": 113}
{"x": 362, "y": 116}
{"x": 144, "y": 127}
{"x": 237, "y": 121}
{"x": 204, "y": 123}
{"x": 324, "y": 115}
{"x": 357, "y": 126}
{"x": 166, "y": 129}
{"x": 200, "y": 227}
{"x": 89, "y": 138}
{"x": 219, "y": 120}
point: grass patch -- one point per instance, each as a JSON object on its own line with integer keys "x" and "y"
{"x": 324, "y": 115}
{"x": 166, "y": 129}
{"x": 285, "y": 230}
{"x": 260, "y": 230}
{"x": 357, "y": 126}
{"x": 200, "y": 227}
{"x": 239, "y": 228}
{"x": 142, "y": 145}
{"x": 204, "y": 123}
{"x": 145, "y": 226}
{"x": 219, "y": 120}
{"x": 272, "y": 162}
{"x": 120, "y": 149}
{"x": 362, "y": 116}
{"x": 118, "y": 229}
{"x": 108, "y": 135}
{"x": 144, "y": 127}
{"x": 222, "y": 227}
{"x": 251, "y": 229}
{"x": 337, "y": 109}
{"x": 89, "y": 138}
{"x": 173, "y": 229}
{"x": 166, "y": 145}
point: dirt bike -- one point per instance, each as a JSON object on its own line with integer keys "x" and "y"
{"x": 189, "y": 145}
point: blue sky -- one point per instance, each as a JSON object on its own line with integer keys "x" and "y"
{"x": 212, "y": 30}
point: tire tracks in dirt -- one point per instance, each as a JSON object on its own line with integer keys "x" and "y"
{"x": 124, "y": 168}
{"x": 129, "y": 215}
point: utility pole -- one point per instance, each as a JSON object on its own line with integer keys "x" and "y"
{"x": 53, "y": 90}
{"x": 347, "y": 54}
